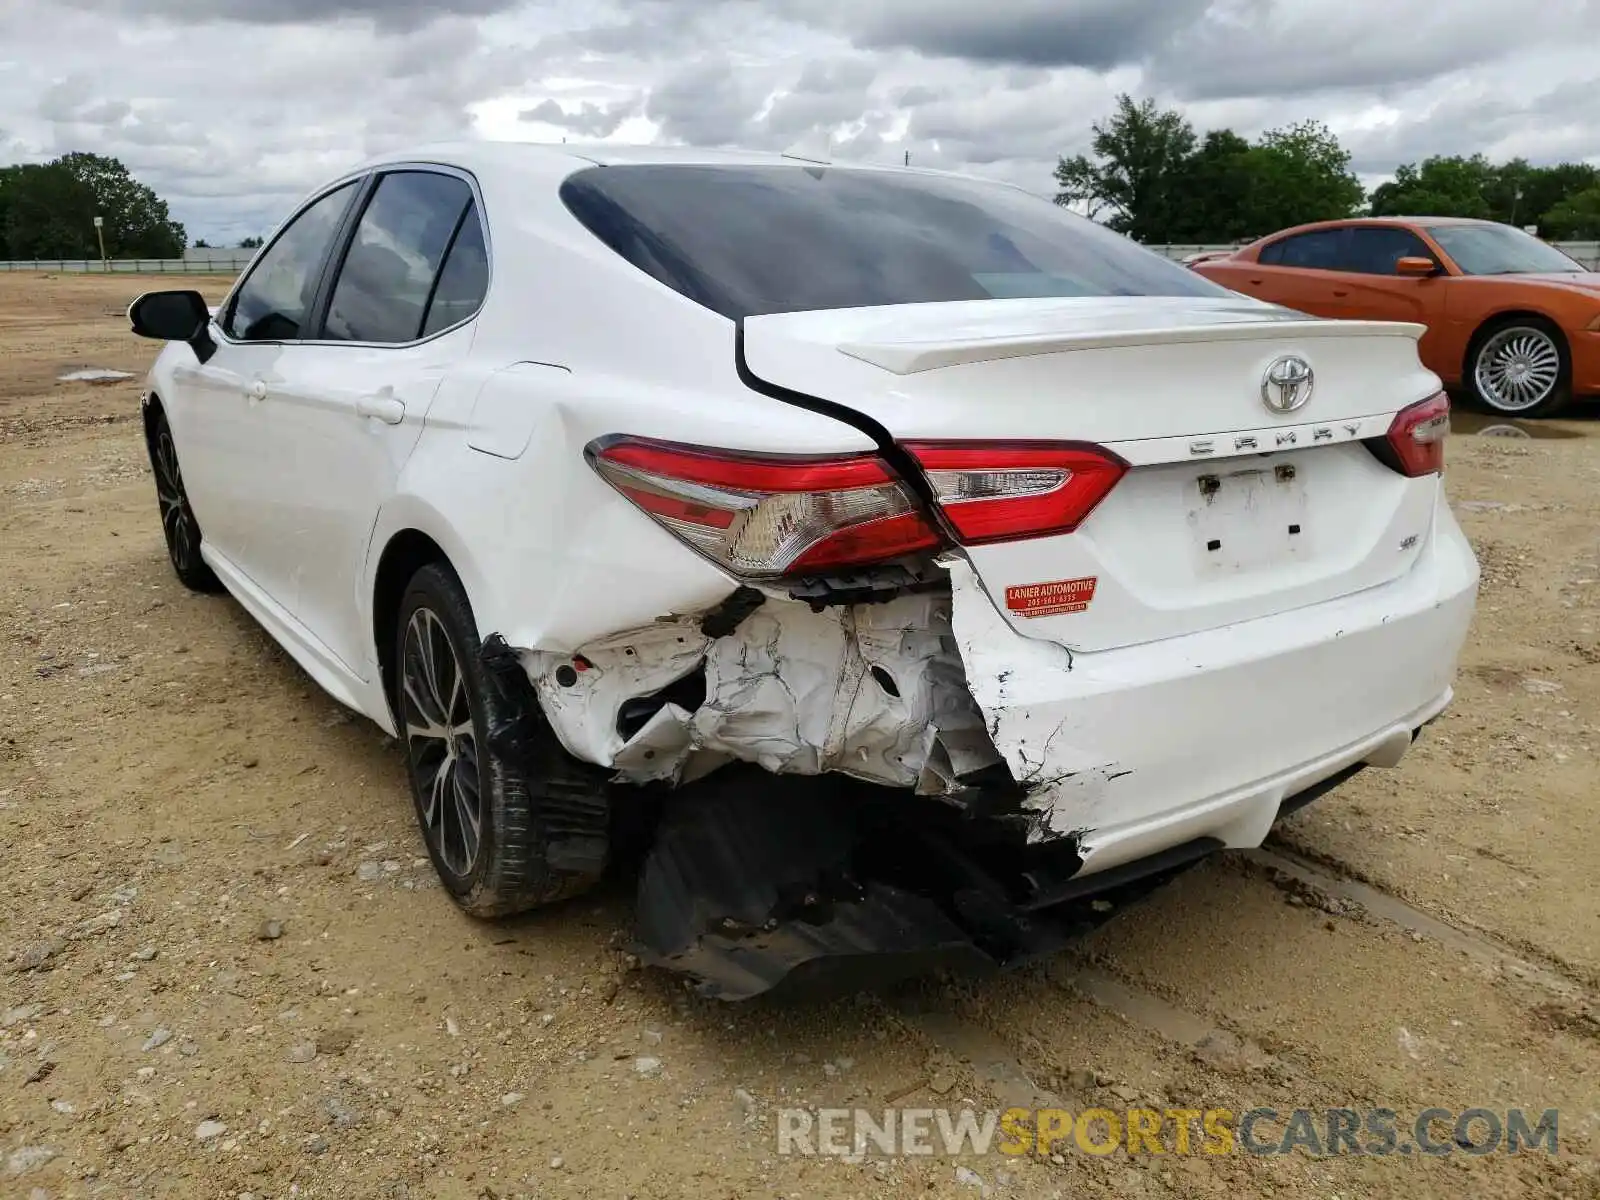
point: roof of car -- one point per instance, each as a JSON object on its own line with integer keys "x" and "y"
{"x": 559, "y": 159}
{"x": 1425, "y": 220}
{"x": 472, "y": 155}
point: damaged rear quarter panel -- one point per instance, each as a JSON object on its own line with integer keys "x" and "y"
{"x": 875, "y": 691}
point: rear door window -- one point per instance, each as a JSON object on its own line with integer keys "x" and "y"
{"x": 387, "y": 277}
{"x": 463, "y": 280}
{"x": 1319, "y": 250}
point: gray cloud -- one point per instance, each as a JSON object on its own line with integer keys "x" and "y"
{"x": 64, "y": 99}
{"x": 1276, "y": 48}
{"x": 915, "y": 95}
{"x": 1557, "y": 125}
{"x": 1082, "y": 33}
{"x": 586, "y": 120}
{"x": 706, "y": 103}
{"x": 232, "y": 109}
{"x": 389, "y": 14}
{"x": 826, "y": 94}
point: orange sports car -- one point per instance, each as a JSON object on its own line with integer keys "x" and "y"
{"x": 1510, "y": 319}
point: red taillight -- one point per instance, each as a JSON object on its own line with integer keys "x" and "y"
{"x": 763, "y": 516}
{"x": 1005, "y": 491}
{"x": 1417, "y": 435}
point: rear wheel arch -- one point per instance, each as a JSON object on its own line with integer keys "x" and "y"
{"x": 539, "y": 818}
{"x": 406, "y": 552}
{"x": 1504, "y": 317}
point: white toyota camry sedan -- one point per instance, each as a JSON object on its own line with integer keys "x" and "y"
{"x": 908, "y": 558}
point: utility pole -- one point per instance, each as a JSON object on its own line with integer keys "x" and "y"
{"x": 100, "y": 233}
{"x": 908, "y": 158}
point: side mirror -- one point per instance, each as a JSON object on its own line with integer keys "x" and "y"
{"x": 174, "y": 317}
{"x": 1416, "y": 266}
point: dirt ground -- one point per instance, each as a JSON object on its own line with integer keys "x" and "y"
{"x": 215, "y": 910}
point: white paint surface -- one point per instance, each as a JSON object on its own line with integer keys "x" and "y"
{"x": 1196, "y": 691}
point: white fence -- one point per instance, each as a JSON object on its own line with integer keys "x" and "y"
{"x": 135, "y": 266}
{"x": 218, "y": 255}
{"x": 1587, "y": 253}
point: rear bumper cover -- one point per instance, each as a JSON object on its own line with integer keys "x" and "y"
{"x": 1134, "y": 750}
{"x": 1030, "y": 791}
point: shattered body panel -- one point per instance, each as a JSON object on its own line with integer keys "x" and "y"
{"x": 873, "y": 691}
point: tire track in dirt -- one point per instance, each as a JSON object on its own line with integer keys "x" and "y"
{"x": 1508, "y": 955}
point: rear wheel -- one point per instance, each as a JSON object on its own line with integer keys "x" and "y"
{"x": 488, "y": 818}
{"x": 178, "y": 524}
{"x": 1520, "y": 368}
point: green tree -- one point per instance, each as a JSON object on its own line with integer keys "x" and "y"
{"x": 1158, "y": 185}
{"x": 1441, "y": 187}
{"x": 1547, "y": 188}
{"x": 249, "y": 243}
{"x": 1513, "y": 192}
{"x": 49, "y": 211}
{"x": 42, "y": 213}
{"x": 1577, "y": 218}
{"x": 1138, "y": 157}
{"x": 8, "y": 185}
{"x": 1294, "y": 175}
{"x": 1208, "y": 189}
{"x": 1513, "y": 189}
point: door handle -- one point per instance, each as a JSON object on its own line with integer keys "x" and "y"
{"x": 258, "y": 390}
{"x": 1255, "y": 282}
{"x": 386, "y": 408}
{"x": 1341, "y": 294}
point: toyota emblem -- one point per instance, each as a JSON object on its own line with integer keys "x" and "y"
{"x": 1287, "y": 384}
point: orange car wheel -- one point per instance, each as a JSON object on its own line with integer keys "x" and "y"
{"x": 1520, "y": 367}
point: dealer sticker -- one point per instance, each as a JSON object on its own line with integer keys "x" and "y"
{"x": 1051, "y": 599}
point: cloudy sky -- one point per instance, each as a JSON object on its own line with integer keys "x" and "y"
{"x": 232, "y": 109}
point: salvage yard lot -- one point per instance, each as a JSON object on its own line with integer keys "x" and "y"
{"x": 215, "y": 910}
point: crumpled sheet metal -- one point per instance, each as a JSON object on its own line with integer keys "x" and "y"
{"x": 1069, "y": 784}
{"x": 875, "y": 691}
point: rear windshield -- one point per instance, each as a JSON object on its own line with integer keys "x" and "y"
{"x": 771, "y": 239}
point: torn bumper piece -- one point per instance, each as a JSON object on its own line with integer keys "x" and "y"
{"x": 742, "y": 896}
{"x": 759, "y": 885}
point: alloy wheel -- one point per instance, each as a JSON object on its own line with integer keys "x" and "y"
{"x": 1518, "y": 368}
{"x": 176, "y": 521}
{"x": 442, "y": 742}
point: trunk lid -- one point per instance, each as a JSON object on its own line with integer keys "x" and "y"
{"x": 1230, "y": 510}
